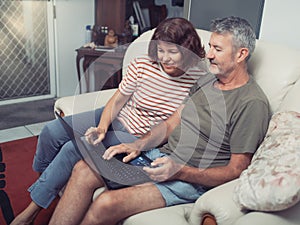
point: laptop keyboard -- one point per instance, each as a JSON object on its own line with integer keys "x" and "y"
{"x": 125, "y": 173}
{"x": 115, "y": 170}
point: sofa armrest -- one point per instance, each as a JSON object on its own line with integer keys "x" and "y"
{"x": 218, "y": 203}
{"x": 288, "y": 216}
{"x": 70, "y": 105}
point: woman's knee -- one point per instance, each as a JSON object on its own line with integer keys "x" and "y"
{"x": 69, "y": 150}
{"x": 51, "y": 131}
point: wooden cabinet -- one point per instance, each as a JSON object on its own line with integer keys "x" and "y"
{"x": 110, "y": 13}
{"x": 106, "y": 68}
{"x": 114, "y": 13}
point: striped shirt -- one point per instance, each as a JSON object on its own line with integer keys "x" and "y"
{"x": 155, "y": 95}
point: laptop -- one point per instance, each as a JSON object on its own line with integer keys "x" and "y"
{"x": 115, "y": 173}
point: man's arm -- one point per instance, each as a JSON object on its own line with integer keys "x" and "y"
{"x": 158, "y": 135}
{"x": 218, "y": 175}
{"x": 210, "y": 177}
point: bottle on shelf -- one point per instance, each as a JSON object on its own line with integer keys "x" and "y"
{"x": 88, "y": 34}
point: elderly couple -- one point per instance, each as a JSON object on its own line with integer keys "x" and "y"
{"x": 202, "y": 120}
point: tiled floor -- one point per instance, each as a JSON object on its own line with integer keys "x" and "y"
{"x": 17, "y": 133}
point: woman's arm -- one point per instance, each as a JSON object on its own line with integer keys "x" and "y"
{"x": 110, "y": 112}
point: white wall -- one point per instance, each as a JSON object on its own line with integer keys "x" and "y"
{"x": 173, "y": 11}
{"x": 280, "y": 22}
{"x": 71, "y": 18}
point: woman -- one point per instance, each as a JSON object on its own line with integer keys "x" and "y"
{"x": 152, "y": 89}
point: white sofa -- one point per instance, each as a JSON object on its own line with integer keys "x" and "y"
{"x": 277, "y": 70}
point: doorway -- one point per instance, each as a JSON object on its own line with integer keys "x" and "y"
{"x": 26, "y": 69}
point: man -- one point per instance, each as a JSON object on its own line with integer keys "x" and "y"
{"x": 211, "y": 139}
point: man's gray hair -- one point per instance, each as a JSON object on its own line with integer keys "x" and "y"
{"x": 241, "y": 31}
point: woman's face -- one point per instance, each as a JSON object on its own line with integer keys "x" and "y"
{"x": 170, "y": 58}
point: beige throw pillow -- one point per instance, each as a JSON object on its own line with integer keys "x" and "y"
{"x": 272, "y": 181}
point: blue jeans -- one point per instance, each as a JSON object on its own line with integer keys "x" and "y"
{"x": 56, "y": 153}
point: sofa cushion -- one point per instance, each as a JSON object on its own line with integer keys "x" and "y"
{"x": 272, "y": 181}
{"x": 175, "y": 215}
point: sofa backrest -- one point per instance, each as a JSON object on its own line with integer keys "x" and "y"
{"x": 276, "y": 69}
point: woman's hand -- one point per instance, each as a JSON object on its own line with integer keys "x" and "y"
{"x": 130, "y": 149}
{"x": 94, "y": 135}
{"x": 163, "y": 169}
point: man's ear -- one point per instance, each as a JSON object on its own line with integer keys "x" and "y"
{"x": 242, "y": 54}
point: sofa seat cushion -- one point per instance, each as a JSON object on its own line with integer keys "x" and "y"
{"x": 175, "y": 215}
{"x": 272, "y": 181}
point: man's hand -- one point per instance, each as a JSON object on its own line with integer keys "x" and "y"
{"x": 130, "y": 149}
{"x": 94, "y": 135}
{"x": 163, "y": 169}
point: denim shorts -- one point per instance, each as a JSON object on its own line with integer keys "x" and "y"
{"x": 176, "y": 192}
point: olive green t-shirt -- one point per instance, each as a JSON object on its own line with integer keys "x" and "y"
{"x": 216, "y": 123}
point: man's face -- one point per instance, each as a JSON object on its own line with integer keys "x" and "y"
{"x": 221, "y": 55}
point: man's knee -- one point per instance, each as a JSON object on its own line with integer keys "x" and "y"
{"x": 106, "y": 204}
{"x": 82, "y": 171}
{"x": 80, "y": 167}
{"x": 83, "y": 176}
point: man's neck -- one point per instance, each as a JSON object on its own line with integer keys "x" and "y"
{"x": 234, "y": 80}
